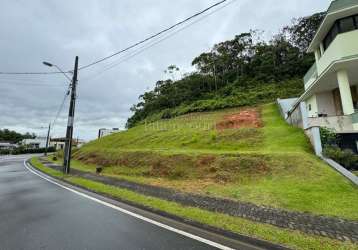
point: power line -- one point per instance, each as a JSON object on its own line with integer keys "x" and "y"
{"x": 33, "y": 73}
{"x": 123, "y": 50}
{"x": 27, "y": 83}
{"x": 60, "y": 109}
{"x": 153, "y": 36}
{"x": 146, "y": 47}
{"x": 28, "y": 80}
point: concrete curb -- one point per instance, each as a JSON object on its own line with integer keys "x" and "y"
{"x": 331, "y": 227}
{"x": 341, "y": 170}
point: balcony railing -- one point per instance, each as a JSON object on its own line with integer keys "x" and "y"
{"x": 311, "y": 75}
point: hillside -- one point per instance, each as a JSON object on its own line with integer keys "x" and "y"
{"x": 247, "y": 154}
{"x": 244, "y": 71}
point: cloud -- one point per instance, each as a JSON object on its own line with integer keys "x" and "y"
{"x": 57, "y": 31}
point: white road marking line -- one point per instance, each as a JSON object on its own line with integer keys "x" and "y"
{"x": 189, "y": 235}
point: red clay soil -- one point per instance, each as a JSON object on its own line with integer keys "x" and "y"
{"x": 248, "y": 118}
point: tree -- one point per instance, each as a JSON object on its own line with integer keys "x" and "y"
{"x": 302, "y": 31}
{"x": 14, "y": 137}
{"x": 232, "y": 68}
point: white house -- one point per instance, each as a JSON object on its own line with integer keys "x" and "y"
{"x": 104, "y": 132}
{"x": 331, "y": 85}
{"x": 59, "y": 143}
{"x": 7, "y": 145}
{"x": 38, "y": 142}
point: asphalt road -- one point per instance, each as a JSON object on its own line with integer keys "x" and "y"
{"x": 36, "y": 214}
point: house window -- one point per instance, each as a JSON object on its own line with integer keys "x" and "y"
{"x": 340, "y": 26}
{"x": 346, "y": 24}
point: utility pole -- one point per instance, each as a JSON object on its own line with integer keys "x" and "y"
{"x": 48, "y": 139}
{"x": 71, "y": 116}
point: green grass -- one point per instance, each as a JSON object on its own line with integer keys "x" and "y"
{"x": 290, "y": 238}
{"x": 273, "y": 165}
{"x": 195, "y": 133}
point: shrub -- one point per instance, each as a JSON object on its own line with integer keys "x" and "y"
{"x": 345, "y": 157}
{"x": 22, "y": 150}
{"x": 213, "y": 135}
{"x": 236, "y": 94}
{"x": 329, "y": 137}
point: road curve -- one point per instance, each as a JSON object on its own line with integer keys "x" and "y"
{"x": 37, "y": 214}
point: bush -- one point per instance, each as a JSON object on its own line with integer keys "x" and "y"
{"x": 329, "y": 138}
{"x": 345, "y": 157}
{"x": 330, "y": 141}
{"x": 237, "y": 94}
{"x": 22, "y": 150}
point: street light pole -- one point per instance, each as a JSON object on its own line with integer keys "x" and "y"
{"x": 48, "y": 139}
{"x": 71, "y": 116}
{"x": 54, "y": 65}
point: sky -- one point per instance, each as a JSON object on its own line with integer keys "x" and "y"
{"x": 57, "y": 31}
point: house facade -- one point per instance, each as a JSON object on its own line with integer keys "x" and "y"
{"x": 38, "y": 142}
{"x": 104, "y": 132}
{"x": 7, "y": 145}
{"x": 59, "y": 143}
{"x": 331, "y": 85}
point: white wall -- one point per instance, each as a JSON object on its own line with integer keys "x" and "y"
{"x": 339, "y": 124}
{"x": 41, "y": 141}
{"x": 325, "y": 103}
{"x": 58, "y": 145}
{"x": 312, "y": 102}
{"x": 344, "y": 45}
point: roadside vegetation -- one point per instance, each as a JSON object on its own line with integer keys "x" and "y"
{"x": 246, "y": 154}
{"x": 13, "y": 136}
{"x": 330, "y": 142}
{"x": 289, "y": 238}
{"x": 245, "y": 71}
{"x": 217, "y": 132}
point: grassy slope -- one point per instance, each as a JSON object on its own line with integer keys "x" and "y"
{"x": 273, "y": 165}
{"x": 290, "y": 238}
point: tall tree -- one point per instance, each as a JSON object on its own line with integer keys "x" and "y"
{"x": 302, "y": 30}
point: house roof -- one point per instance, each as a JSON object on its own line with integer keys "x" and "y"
{"x": 341, "y": 4}
{"x": 337, "y": 10}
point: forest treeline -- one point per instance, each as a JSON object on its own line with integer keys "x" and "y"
{"x": 7, "y": 135}
{"x": 246, "y": 70}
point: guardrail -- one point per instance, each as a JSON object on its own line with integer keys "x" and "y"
{"x": 311, "y": 73}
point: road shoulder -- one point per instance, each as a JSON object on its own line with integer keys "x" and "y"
{"x": 184, "y": 220}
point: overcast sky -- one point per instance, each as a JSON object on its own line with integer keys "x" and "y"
{"x": 56, "y": 31}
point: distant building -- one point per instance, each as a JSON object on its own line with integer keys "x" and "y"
{"x": 7, "y": 145}
{"x": 38, "y": 142}
{"x": 104, "y": 132}
{"x": 59, "y": 143}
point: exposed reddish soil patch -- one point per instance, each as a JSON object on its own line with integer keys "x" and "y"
{"x": 248, "y": 118}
